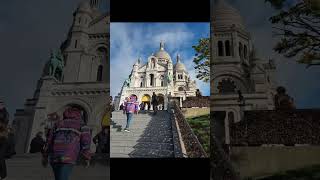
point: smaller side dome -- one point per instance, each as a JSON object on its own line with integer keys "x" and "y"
{"x": 84, "y": 6}
{"x": 179, "y": 66}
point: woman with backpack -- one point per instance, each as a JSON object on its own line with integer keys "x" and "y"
{"x": 130, "y": 107}
{"x": 66, "y": 141}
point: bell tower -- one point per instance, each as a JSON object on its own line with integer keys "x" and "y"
{"x": 230, "y": 47}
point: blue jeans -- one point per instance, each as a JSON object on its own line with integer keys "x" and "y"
{"x": 62, "y": 171}
{"x": 129, "y": 119}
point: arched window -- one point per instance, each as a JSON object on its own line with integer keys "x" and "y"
{"x": 240, "y": 50}
{"x": 99, "y": 74}
{"x": 151, "y": 79}
{"x": 227, "y": 45}
{"x": 162, "y": 80}
{"x": 227, "y": 86}
{"x": 245, "y": 50}
{"x": 141, "y": 81}
{"x": 102, "y": 70}
{"x": 220, "y": 48}
{"x": 230, "y": 117}
{"x": 76, "y": 44}
{"x": 180, "y": 89}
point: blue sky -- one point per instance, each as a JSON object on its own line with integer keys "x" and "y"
{"x": 129, "y": 41}
{"x": 301, "y": 83}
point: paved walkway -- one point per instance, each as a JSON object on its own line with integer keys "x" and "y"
{"x": 28, "y": 167}
{"x": 150, "y": 136}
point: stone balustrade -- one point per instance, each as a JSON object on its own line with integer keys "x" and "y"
{"x": 294, "y": 127}
{"x": 190, "y": 143}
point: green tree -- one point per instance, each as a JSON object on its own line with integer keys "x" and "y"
{"x": 298, "y": 25}
{"x": 202, "y": 59}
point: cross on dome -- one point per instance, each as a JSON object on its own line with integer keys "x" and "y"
{"x": 178, "y": 58}
{"x": 161, "y": 45}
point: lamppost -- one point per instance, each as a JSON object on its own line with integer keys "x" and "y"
{"x": 242, "y": 104}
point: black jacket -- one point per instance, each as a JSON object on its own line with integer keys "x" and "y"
{"x": 36, "y": 145}
{"x": 4, "y": 116}
{"x": 154, "y": 99}
{"x": 3, "y": 153}
{"x": 102, "y": 139}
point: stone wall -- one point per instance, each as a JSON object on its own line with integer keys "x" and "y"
{"x": 195, "y": 112}
{"x": 277, "y": 127}
{"x": 264, "y": 161}
{"x": 199, "y": 101}
{"x": 190, "y": 141}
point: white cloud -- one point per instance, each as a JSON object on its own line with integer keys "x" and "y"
{"x": 131, "y": 40}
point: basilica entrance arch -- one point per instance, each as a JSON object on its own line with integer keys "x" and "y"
{"x": 145, "y": 102}
{"x": 160, "y": 101}
{"x": 84, "y": 114}
{"x": 134, "y": 96}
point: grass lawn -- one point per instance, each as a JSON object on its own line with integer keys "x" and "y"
{"x": 201, "y": 127}
{"x": 308, "y": 173}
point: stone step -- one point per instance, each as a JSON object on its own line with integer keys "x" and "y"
{"x": 140, "y": 131}
{"x": 28, "y": 167}
{"x": 150, "y": 136}
{"x": 141, "y": 152}
{"x": 143, "y": 139}
{"x": 151, "y": 145}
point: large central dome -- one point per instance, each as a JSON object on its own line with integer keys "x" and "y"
{"x": 162, "y": 54}
{"x": 225, "y": 16}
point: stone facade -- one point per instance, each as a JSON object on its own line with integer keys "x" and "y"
{"x": 158, "y": 75}
{"x": 85, "y": 79}
{"x": 240, "y": 81}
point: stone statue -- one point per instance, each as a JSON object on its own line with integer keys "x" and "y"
{"x": 56, "y": 64}
{"x": 127, "y": 82}
{"x": 169, "y": 77}
{"x": 282, "y": 100}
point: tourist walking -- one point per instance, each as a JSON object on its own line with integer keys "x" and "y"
{"x": 102, "y": 141}
{"x": 124, "y": 104}
{"x": 11, "y": 143}
{"x": 5, "y": 140}
{"x": 154, "y": 102}
{"x": 130, "y": 107}
{"x": 67, "y": 141}
{"x": 4, "y": 115}
{"x": 4, "y": 144}
{"x": 37, "y": 143}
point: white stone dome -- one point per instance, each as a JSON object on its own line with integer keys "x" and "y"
{"x": 225, "y": 16}
{"x": 162, "y": 54}
{"x": 84, "y": 6}
{"x": 179, "y": 66}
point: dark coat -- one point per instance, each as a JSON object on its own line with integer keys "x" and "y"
{"x": 154, "y": 99}
{"x": 3, "y": 152}
{"x": 4, "y": 116}
{"x": 36, "y": 145}
{"x": 102, "y": 139}
{"x": 11, "y": 146}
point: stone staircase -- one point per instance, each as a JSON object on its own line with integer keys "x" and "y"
{"x": 150, "y": 136}
{"x": 28, "y": 167}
